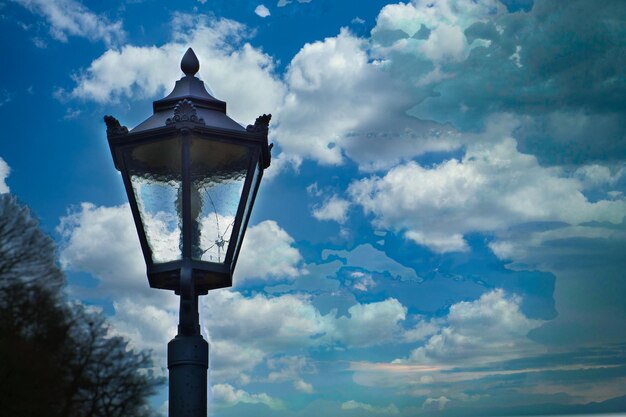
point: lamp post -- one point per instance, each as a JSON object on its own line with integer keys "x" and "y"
{"x": 191, "y": 174}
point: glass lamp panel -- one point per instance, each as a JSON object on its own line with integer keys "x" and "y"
{"x": 218, "y": 173}
{"x": 155, "y": 174}
{"x": 246, "y": 212}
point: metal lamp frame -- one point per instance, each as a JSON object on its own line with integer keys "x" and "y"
{"x": 183, "y": 124}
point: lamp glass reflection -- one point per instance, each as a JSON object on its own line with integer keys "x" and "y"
{"x": 218, "y": 173}
{"x": 155, "y": 174}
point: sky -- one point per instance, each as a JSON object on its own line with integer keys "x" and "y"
{"x": 442, "y": 229}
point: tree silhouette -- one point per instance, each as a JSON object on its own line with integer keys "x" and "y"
{"x": 58, "y": 358}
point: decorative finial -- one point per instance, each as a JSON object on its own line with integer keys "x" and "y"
{"x": 190, "y": 64}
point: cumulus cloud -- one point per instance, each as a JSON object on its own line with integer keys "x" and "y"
{"x": 595, "y": 175}
{"x": 471, "y": 342}
{"x": 103, "y": 241}
{"x": 464, "y": 338}
{"x": 493, "y": 187}
{"x": 262, "y": 11}
{"x": 261, "y": 326}
{"x": 469, "y": 59}
{"x": 254, "y": 321}
{"x": 333, "y": 101}
{"x": 340, "y": 102}
{"x": 226, "y": 395}
{"x": 147, "y": 325}
{"x": 390, "y": 409}
{"x": 303, "y": 386}
{"x": 72, "y": 18}
{"x": 438, "y": 403}
{"x": 290, "y": 368}
{"x": 5, "y": 170}
{"x": 334, "y": 208}
{"x": 361, "y": 281}
{"x": 94, "y": 235}
{"x": 370, "y": 324}
{"x": 430, "y": 35}
{"x": 267, "y": 253}
{"x": 231, "y": 67}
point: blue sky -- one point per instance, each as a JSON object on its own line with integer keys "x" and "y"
{"x": 442, "y": 230}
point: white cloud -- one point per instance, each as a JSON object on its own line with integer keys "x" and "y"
{"x": 260, "y": 322}
{"x": 391, "y": 409}
{"x": 72, "y": 18}
{"x": 489, "y": 329}
{"x": 439, "y": 403}
{"x": 362, "y": 282}
{"x": 493, "y": 187}
{"x": 423, "y": 329}
{"x": 147, "y": 325}
{"x": 232, "y": 68}
{"x": 261, "y": 326}
{"x": 103, "y": 241}
{"x": 445, "y": 42}
{"x": 334, "y": 208}
{"x": 95, "y": 235}
{"x": 303, "y": 386}
{"x": 262, "y": 11}
{"x": 340, "y": 102}
{"x": 290, "y": 368}
{"x": 268, "y": 253}
{"x": 444, "y": 23}
{"x": 226, "y": 395}
{"x": 232, "y": 360}
{"x": 5, "y": 170}
{"x": 334, "y": 101}
{"x": 370, "y": 324}
{"x": 469, "y": 343}
{"x": 594, "y": 175}
{"x": 243, "y": 332}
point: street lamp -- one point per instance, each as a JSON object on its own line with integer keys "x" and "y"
{"x": 191, "y": 174}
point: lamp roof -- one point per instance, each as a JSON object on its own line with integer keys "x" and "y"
{"x": 191, "y": 88}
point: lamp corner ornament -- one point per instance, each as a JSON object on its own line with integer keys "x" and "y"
{"x": 114, "y": 128}
{"x": 261, "y": 124}
{"x": 185, "y": 111}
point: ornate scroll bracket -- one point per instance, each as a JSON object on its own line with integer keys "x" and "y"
{"x": 114, "y": 128}
{"x": 261, "y": 124}
{"x": 185, "y": 111}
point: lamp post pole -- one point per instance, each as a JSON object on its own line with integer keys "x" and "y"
{"x": 188, "y": 357}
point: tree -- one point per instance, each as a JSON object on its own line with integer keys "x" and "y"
{"x": 27, "y": 254}
{"x": 58, "y": 358}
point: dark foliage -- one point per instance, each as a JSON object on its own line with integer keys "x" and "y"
{"x": 57, "y": 358}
